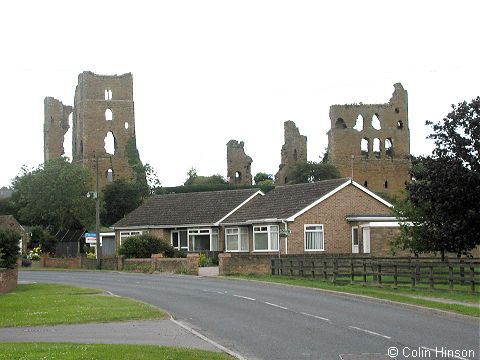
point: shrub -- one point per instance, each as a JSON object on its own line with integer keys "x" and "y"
{"x": 9, "y": 241}
{"x": 204, "y": 260}
{"x": 143, "y": 246}
{"x": 40, "y": 237}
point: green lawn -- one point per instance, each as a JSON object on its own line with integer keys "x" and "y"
{"x": 400, "y": 295}
{"x": 47, "y": 304}
{"x": 62, "y": 351}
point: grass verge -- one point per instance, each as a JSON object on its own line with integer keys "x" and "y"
{"x": 48, "y": 304}
{"x": 400, "y": 295}
{"x": 63, "y": 351}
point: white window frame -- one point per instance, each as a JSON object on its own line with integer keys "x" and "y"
{"x": 127, "y": 234}
{"x": 180, "y": 247}
{"x": 239, "y": 231}
{"x": 358, "y": 240}
{"x": 305, "y": 231}
{"x": 203, "y": 231}
{"x": 269, "y": 231}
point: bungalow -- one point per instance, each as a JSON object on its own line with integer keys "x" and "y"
{"x": 332, "y": 216}
{"x": 190, "y": 221}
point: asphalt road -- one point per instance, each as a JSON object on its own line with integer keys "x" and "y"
{"x": 260, "y": 321}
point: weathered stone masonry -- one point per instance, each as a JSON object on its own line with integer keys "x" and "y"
{"x": 103, "y": 106}
{"x": 239, "y": 164}
{"x": 373, "y": 140}
{"x": 294, "y": 151}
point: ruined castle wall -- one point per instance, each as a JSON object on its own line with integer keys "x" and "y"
{"x": 95, "y": 97}
{"x": 294, "y": 151}
{"x": 383, "y": 164}
{"x": 55, "y": 126}
{"x": 239, "y": 164}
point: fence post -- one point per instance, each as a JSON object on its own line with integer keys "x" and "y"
{"x": 352, "y": 271}
{"x": 379, "y": 271}
{"x": 364, "y": 270}
{"x": 450, "y": 276}
{"x": 272, "y": 265}
{"x": 431, "y": 277}
{"x": 395, "y": 276}
{"x": 335, "y": 266}
{"x": 300, "y": 268}
{"x": 325, "y": 275}
{"x": 462, "y": 273}
{"x": 472, "y": 277}
{"x": 291, "y": 268}
{"x": 412, "y": 270}
{"x": 313, "y": 269}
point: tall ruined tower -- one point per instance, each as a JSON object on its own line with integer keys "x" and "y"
{"x": 103, "y": 123}
{"x": 294, "y": 152}
{"x": 372, "y": 142}
{"x": 239, "y": 164}
{"x": 55, "y": 126}
{"x": 104, "y": 112}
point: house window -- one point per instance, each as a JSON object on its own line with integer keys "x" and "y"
{"x": 126, "y": 234}
{"x": 314, "y": 238}
{"x": 179, "y": 239}
{"x": 236, "y": 239}
{"x": 203, "y": 240}
{"x": 265, "y": 238}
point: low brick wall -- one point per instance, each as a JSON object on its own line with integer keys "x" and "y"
{"x": 67, "y": 263}
{"x": 8, "y": 280}
{"x": 188, "y": 265}
{"x": 231, "y": 263}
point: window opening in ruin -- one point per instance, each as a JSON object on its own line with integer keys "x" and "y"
{"x": 364, "y": 147}
{"x": 68, "y": 139}
{"x": 376, "y": 147}
{"x": 376, "y": 122}
{"x": 238, "y": 175}
{"x": 295, "y": 155}
{"x": 386, "y": 184}
{"x": 108, "y": 115}
{"x": 110, "y": 143}
{"x": 388, "y": 147}
{"x": 397, "y": 110}
{"x": 359, "y": 124}
{"x": 81, "y": 147}
{"x": 126, "y": 125}
{"x": 365, "y": 183}
{"x": 399, "y": 124}
{"x": 340, "y": 124}
{"x": 51, "y": 120}
{"x": 109, "y": 175}
{"x": 108, "y": 94}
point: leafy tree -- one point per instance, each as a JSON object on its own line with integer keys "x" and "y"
{"x": 54, "y": 196}
{"x": 194, "y": 179}
{"x": 143, "y": 246}
{"x": 442, "y": 210}
{"x": 7, "y": 207}
{"x": 39, "y": 236}
{"x": 9, "y": 248}
{"x": 311, "y": 171}
{"x": 263, "y": 179}
{"x": 120, "y": 197}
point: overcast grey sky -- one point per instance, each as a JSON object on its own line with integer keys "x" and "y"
{"x": 205, "y": 72}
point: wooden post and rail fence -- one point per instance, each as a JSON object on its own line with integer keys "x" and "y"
{"x": 455, "y": 274}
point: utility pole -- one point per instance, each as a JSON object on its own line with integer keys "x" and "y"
{"x": 97, "y": 215}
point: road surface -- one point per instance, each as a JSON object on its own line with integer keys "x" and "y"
{"x": 262, "y": 321}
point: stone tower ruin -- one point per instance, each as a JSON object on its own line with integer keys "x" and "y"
{"x": 103, "y": 114}
{"x": 239, "y": 164}
{"x": 372, "y": 142}
{"x": 294, "y": 152}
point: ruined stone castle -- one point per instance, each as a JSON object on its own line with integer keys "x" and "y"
{"x": 103, "y": 111}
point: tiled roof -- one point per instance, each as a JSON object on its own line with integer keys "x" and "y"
{"x": 284, "y": 201}
{"x": 9, "y": 222}
{"x": 195, "y": 208}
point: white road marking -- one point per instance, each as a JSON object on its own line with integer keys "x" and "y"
{"x": 275, "y": 305}
{"x": 436, "y": 351}
{"x": 110, "y": 293}
{"x": 315, "y": 316}
{"x": 370, "y": 332}
{"x": 203, "y": 337}
{"x": 244, "y": 297}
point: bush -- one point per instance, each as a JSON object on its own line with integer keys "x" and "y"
{"x": 143, "y": 246}
{"x": 40, "y": 237}
{"x": 9, "y": 241}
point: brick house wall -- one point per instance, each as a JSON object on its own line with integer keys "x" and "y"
{"x": 331, "y": 214}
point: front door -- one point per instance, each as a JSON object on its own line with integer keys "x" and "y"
{"x": 355, "y": 240}
{"x": 366, "y": 240}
